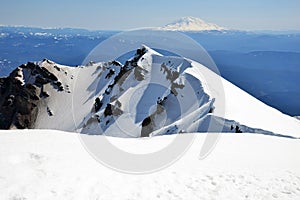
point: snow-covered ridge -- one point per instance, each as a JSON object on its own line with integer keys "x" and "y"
{"x": 297, "y": 117}
{"x": 192, "y": 24}
{"x": 149, "y": 95}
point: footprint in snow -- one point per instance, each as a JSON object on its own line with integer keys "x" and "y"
{"x": 36, "y": 158}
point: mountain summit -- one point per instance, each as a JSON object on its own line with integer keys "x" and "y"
{"x": 151, "y": 94}
{"x": 192, "y": 24}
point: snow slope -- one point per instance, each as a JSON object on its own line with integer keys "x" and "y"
{"x": 242, "y": 166}
{"x": 192, "y": 24}
{"x": 152, "y": 95}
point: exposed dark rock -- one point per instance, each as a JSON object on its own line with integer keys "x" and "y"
{"x": 116, "y": 63}
{"x": 97, "y": 104}
{"x": 116, "y": 110}
{"x": 140, "y": 52}
{"x": 237, "y": 129}
{"x": 17, "y": 104}
{"x": 173, "y": 130}
{"x": 19, "y": 99}
{"x": 161, "y": 101}
{"x": 48, "y": 61}
{"x": 139, "y": 73}
{"x": 49, "y": 112}
{"x": 148, "y": 124}
{"x": 108, "y": 110}
{"x": 172, "y": 76}
{"x": 122, "y": 75}
{"x": 40, "y": 81}
{"x": 118, "y": 79}
{"x": 146, "y": 127}
{"x": 110, "y": 73}
{"x": 57, "y": 85}
{"x": 211, "y": 110}
{"x": 57, "y": 68}
{"x": 112, "y": 110}
{"x": 146, "y": 121}
{"x": 108, "y": 90}
{"x": 43, "y": 94}
{"x": 130, "y": 64}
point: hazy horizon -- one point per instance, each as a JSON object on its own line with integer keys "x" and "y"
{"x": 277, "y": 15}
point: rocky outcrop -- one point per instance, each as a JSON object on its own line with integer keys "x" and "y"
{"x": 18, "y": 103}
{"x": 20, "y": 94}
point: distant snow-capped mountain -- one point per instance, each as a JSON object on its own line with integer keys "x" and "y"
{"x": 192, "y": 24}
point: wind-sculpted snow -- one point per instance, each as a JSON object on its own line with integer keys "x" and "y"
{"x": 150, "y": 94}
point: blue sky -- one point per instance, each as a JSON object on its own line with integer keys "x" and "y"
{"x": 128, "y": 14}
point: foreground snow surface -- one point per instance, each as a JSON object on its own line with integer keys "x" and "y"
{"x": 47, "y": 164}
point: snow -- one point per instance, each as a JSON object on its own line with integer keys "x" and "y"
{"x": 192, "y": 24}
{"x": 52, "y": 164}
{"x": 61, "y": 102}
{"x": 42, "y": 34}
{"x": 257, "y": 114}
{"x": 19, "y": 76}
{"x": 199, "y": 90}
{"x": 246, "y": 109}
{"x": 3, "y": 35}
{"x": 48, "y": 164}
